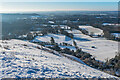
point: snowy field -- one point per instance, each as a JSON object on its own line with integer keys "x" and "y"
{"x": 24, "y": 59}
{"x": 103, "y": 48}
{"x": 59, "y": 38}
{"x": 92, "y": 29}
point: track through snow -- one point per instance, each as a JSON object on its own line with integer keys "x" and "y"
{"x": 24, "y": 59}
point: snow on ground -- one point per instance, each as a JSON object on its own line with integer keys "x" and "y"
{"x": 69, "y": 47}
{"x": 74, "y": 31}
{"x": 24, "y": 59}
{"x": 91, "y": 29}
{"x": 59, "y": 38}
{"x": 117, "y": 35}
{"x": 75, "y": 58}
{"x": 103, "y": 48}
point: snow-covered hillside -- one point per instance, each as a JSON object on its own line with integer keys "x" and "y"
{"x": 59, "y": 38}
{"x": 103, "y": 48}
{"x": 24, "y": 59}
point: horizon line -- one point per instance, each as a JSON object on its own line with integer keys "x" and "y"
{"x": 61, "y": 11}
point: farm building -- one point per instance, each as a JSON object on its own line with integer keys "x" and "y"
{"x": 89, "y": 30}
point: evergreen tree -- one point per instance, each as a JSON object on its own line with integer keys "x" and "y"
{"x": 74, "y": 43}
{"x": 79, "y": 50}
{"x": 52, "y": 40}
{"x": 57, "y": 48}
